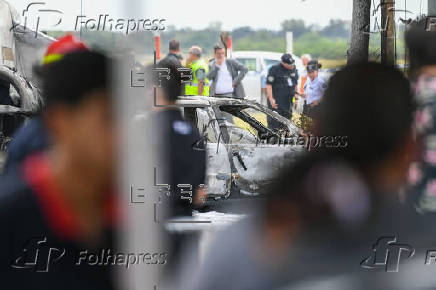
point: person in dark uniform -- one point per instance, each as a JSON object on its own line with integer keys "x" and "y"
{"x": 182, "y": 159}
{"x": 174, "y": 57}
{"x": 281, "y": 82}
{"x": 183, "y": 162}
{"x": 59, "y": 203}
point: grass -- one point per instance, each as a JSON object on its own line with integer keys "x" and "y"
{"x": 332, "y": 63}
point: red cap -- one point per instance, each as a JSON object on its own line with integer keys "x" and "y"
{"x": 62, "y": 46}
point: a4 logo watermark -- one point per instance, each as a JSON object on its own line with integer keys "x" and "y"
{"x": 38, "y": 254}
{"x": 388, "y": 254}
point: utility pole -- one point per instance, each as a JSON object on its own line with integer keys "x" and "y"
{"x": 360, "y": 27}
{"x": 225, "y": 35}
{"x": 388, "y": 32}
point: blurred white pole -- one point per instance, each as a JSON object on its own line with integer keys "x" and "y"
{"x": 289, "y": 42}
{"x": 141, "y": 234}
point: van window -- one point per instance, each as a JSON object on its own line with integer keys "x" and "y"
{"x": 250, "y": 63}
{"x": 270, "y": 62}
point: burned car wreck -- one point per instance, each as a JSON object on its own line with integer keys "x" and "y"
{"x": 21, "y": 49}
{"x": 243, "y": 151}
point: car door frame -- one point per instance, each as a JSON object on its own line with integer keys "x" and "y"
{"x": 239, "y": 183}
{"x": 217, "y": 157}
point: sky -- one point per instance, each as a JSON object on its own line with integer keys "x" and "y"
{"x": 231, "y": 13}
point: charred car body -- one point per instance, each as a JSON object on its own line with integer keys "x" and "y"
{"x": 243, "y": 152}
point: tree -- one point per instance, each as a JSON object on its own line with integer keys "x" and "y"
{"x": 337, "y": 28}
{"x": 297, "y": 26}
{"x": 388, "y": 34}
{"x": 241, "y": 32}
{"x": 358, "y": 51}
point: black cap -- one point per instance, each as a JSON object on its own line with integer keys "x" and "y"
{"x": 313, "y": 65}
{"x": 287, "y": 58}
{"x": 76, "y": 74}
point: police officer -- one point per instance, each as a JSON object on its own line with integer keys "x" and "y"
{"x": 182, "y": 160}
{"x": 199, "y": 85}
{"x": 314, "y": 89}
{"x": 174, "y": 56}
{"x": 281, "y": 82}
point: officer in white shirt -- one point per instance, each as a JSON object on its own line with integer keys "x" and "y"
{"x": 313, "y": 89}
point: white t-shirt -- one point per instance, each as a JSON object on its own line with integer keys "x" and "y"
{"x": 224, "y": 80}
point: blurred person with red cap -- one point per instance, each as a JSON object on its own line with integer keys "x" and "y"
{"x": 32, "y": 136}
{"x": 56, "y": 207}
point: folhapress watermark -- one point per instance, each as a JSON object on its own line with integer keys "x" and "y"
{"x": 37, "y": 14}
{"x": 40, "y": 255}
{"x": 106, "y": 23}
{"x": 105, "y": 257}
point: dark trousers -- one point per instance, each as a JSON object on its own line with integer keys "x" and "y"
{"x": 178, "y": 244}
{"x": 311, "y": 111}
{"x": 284, "y": 110}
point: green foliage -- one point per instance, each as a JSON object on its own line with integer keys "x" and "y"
{"x": 321, "y": 47}
{"x": 260, "y": 40}
{"x": 337, "y": 28}
{"x": 297, "y": 26}
{"x": 329, "y": 42}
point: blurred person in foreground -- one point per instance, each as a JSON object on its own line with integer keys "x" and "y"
{"x": 226, "y": 75}
{"x": 421, "y": 43}
{"x": 332, "y": 215}
{"x": 58, "y": 207}
{"x": 32, "y": 137}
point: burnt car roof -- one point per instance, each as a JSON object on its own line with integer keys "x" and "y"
{"x": 205, "y": 101}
